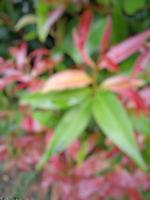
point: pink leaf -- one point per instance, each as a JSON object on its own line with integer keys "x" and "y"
{"x": 122, "y": 51}
{"x": 31, "y": 125}
{"x": 54, "y": 16}
{"x": 42, "y": 66}
{"x": 4, "y": 82}
{"x": 87, "y": 188}
{"x": 20, "y": 55}
{"x": 66, "y": 80}
{"x": 142, "y": 62}
{"x": 39, "y": 53}
{"x": 135, "y": 100}
{"x": 145, "y": 95}
{"x": 74, "y": 149}
{"x": 120, "y": 83}
{"x": 93, "y": 165}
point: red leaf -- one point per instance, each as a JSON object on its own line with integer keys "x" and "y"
{"x": 84, "y": 27}
{"x": 106, "y": 36}
{"x": 80, "y": 35}
{"x": 109, "y": 64}
{"x": 134, "y": 194}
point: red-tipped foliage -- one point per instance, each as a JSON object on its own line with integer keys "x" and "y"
{"x": 25, "y": 69}
{"x": 105, "y": 42}
{"x": 122, "y": 51}
{"x": 80, "y": 35}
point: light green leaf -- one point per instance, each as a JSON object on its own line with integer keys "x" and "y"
{"x": 114, "y": 122}
{"x": 47, "y": 16}
{"x": 56, "y": 100}
{"x": 25, "y": 20}
{"x": 42, "y": 12}
{"x": 47, "y": 118}
{"x": 68, "y": 130}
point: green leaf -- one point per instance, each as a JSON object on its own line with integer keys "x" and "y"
{"x": 96, "y": 34}
{"x": 25, "y": 20}
{"x": 48, "y": 118}
{"x": 68, "y": 130}
{"x": 56, "y": 100}
{"x": 120, "y": 25}
{"x": 42, "y": 12}
{"x": 132, "y": 6}
{"x": 93, "y": 41}
{"x": 68, "y": 43}
{"x": 128, "y": 64}
{"x": 113, "y": 120}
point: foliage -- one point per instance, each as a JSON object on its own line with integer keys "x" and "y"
{"x": 75, "y": 98}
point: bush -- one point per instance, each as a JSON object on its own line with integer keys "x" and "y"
{"x": 75, "y": 99}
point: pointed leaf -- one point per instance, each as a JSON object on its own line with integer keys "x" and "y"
{"x": 113, "y": 120}
{"x": 80, "y": 35}
{"x": 96, "y": 35}
{"x": 66, "y": 80}
{"x": 84, "y": 28}
{"x": 120, "y": 25}
{"x": 106, "y": 36}
{"x": 56, "y": 100}
{"x": 122, "y": 51}
{"x": 20, "y": 55}
{"x": 120, "y": 82}
{"x": 92, "y": 44}
{"x": 25, "y": 20}
{"x": 70, "y": 127}
{"x": 45, "y": 19}
{"x": 142, "y": 62}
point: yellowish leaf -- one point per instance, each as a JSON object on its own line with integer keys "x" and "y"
{"x": 67, "y": 79}
{"x": 116, "y": 83}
